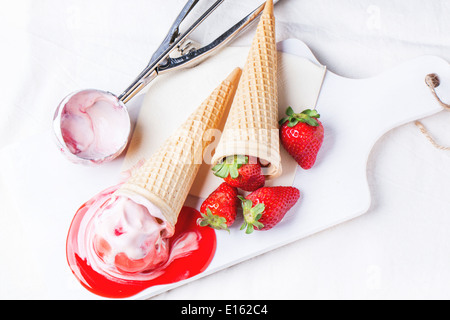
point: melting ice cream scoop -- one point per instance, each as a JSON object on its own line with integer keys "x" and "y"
{"x": 92, "y": 126}
{"x": 131, "y": 235}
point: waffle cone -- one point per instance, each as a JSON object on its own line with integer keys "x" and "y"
{"x": 166, "y": 177}
{"x": 252, "y": 125}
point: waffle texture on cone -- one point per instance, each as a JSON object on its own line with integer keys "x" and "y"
{"x": 167, "y": 176}
{"x": 252, "y": 125}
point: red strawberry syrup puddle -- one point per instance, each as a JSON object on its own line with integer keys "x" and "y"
{"x": 179, "y": 269}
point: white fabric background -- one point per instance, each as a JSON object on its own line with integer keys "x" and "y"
{"x": 398, "y": 249}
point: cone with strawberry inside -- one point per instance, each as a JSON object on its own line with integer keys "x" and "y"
{"x": 165, "y": 179}
{"x": 251, "y": 129}
{"x": 241, "y": 172}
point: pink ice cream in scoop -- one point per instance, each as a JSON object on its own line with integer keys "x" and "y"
{"x": 94, "y": 125}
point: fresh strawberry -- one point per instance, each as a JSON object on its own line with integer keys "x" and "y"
{"x": 302, "y": 134}
{"x": 219, "y": 210}
{"x": 265, "y": 207}
{"x": 241, "y": 173}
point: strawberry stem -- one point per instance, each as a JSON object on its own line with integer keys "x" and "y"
{"x": 251, "y": 215}
{"x": 307, "y": 116}
{"x": 230, "y": 166}
{"x": 213, "y": 221}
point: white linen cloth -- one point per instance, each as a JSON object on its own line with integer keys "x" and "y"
{"x": 398, "y": 249}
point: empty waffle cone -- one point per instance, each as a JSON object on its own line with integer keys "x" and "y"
{"x": 252, "y": 125}
{"x": 166, "y": 177}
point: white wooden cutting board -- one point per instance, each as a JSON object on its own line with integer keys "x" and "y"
{"x": 44, "y": 191}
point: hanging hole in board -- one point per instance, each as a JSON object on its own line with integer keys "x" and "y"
{"x": 432, "y": 80}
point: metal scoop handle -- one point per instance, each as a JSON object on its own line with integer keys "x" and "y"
{"x": 161, "y": 61}
{"x": 169, "y": 44}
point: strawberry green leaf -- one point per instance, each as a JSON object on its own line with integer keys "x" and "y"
{"x": 258, "y": 210}
{"x": 290, "y": 111}
{"x": 308, "y": 116}
{"x": 213, "y": 221}
{"x": 234, "y": 173}
{"x": 293, "y": 123}
{"x": 251, "y": 215}
{"x": 311, "y": 113}
{"x": 240, "y": 160}
{"x": 217, "y": 167}
{"x": 249, "y": 229}
{"x": 312, "y": 122}
{"x": 222, "y": 171}
{"x": 230, "y": 166}
{"x": 283, "y": 120}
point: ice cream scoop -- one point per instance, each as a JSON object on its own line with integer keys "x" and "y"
{"x": 78, "y": 135}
